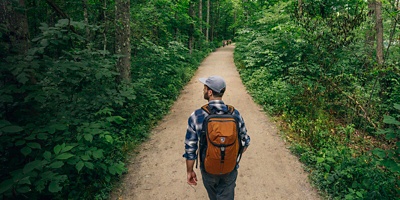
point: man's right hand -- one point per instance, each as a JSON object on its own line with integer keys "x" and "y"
{"x": 192, "y": 178}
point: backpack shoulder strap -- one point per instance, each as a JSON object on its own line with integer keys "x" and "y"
{"x": 231, "y": 109}
{"x": 206, "y": 108}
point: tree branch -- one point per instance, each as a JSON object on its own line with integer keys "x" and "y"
{"x": 365, "y": 116}
{"x": 61, "y": 13}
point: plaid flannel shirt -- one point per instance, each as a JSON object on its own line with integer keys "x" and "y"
{"x": 195, "y": 123}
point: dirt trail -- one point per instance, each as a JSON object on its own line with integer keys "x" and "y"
{"x": 267, "y": 170}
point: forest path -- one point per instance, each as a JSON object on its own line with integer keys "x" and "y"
{"x": 267, "y": 171}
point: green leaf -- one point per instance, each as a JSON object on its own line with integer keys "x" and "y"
{"x": 67, "y": 148}
{"x": 47, "y": 155}
{"x": 50, "y": 129}
{"x": 327, "y": 167}
{"x": 57, "y": 149}
{"x": 359, "y": 194}
{"x": 40, "y": 185}
{"x": 31, "y": 137}
{"x": 117, "y": 168}
{"x": 98, "y": 75}
{"x": 63, "y": 22}
{"x": 26, "y": 151}
{"x": 349, "y": 197}
{"x": 6, "y": 185}
{"x": 22, "y": 77}
{"x": 98, "y": 154}
{"x": 79, "y": 166}
{"x": 34, "y": 145}
{"x": 390, "y": 136}
{"x": 390, "y": 120}
{"x": 64, "y": 156}
{"x": 379, "y": 152}
{"x": 54, "y": 187}
{"x": 89, "y": 165}
{"x": 397, "y": 106}
{"x": 109, "y": 139}
{"x": 330, "y": 159}
{"x": 23, "y": 189}
{"x": 4, "y": 123}
{"x": 32, "y": 165}
{"x": 57, "y": 164}
{"x": 88, "y": 137}
{"x": 25, "y": 181}
{"x": 116, "y": 119}
{"x": 60, "y": 127}
{"x": 320, "y": 160}
{"x": 44, "y": 43}
{"x": 391, "y": 164}
{"x": 20, "y": 142}
{"x": 6, "y": 98}
{"x": 47, "y": 175}
{"x": 42, "y": 136}
{"x": 12, "y": 129}
{"x": 112, "y": 170}
{"x": 85, "y": 157}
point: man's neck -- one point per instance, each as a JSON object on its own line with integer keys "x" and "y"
{"x": 214, "y": 98}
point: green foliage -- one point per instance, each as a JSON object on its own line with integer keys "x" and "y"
{"x": 314, "y": 70}
{"x": 66, "y": 122}
{"x": 52, "y": 141}
{"x": 390, "y": 158}
{"x": 336, "y": 171}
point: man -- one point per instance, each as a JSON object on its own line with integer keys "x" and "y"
{"x": 219, "y": 187}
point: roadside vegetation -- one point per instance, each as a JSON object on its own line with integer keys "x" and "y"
{"x": 318, "y": 67}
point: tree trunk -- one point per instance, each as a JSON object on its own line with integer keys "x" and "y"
{"x": 16, "y": 23}
{"x": 216, "y": 20}
{"x": 212, "y": 17}
{"x": 208, "y": 20}
{"x": 61, "y": 13}
{"x": 300, "y": 7}
{"x": 246, "y": 12}
{"x": 191, "y": 27}
{"x": 175, "y": 26}
{"x": 86, "y": 18}
{"x": 234, "y": 29}
{"x": 105, "y": 28}
{"x": 371, "y": 32}
{"x": 379, "y": 32}
{"x": 122, "y": 39}
{"x": 398, "y": 9}
{"x": 201, "y": 16}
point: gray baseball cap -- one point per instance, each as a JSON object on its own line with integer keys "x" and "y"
{"x": 216, "y": 83}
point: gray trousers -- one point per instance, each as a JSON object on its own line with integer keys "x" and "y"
{"x": 220, "y": 187}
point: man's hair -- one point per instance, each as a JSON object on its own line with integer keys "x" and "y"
{"x": 217, "y": 94}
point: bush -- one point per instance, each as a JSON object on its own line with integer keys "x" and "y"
{"x": 67, "y": 124}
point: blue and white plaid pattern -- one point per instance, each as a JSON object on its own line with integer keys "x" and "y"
{"x": 195, "y": 123}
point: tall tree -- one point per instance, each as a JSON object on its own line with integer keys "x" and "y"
{"x": 122, "y": 39}
{"x": 86, "y": 18}
{"x": 370, "y": 32}
{"x": 16, "y": 22}
{"x": 105, "y": 26}
{"x": 201, "y": 16}
{"x": 300, "y": 7}
{"x": 379, "y": 32}
{"x": 191, "y": 27}
{"x": 208, "y": 20}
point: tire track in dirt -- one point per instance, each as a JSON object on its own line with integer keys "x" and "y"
{"x": 267, "y": 170}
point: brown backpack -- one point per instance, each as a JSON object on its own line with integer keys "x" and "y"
{"x": 220, "y": 143}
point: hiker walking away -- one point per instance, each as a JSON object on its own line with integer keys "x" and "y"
{"x": 218, "y": 134}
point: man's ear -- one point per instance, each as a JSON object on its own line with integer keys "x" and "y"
{"x": 210, "y": 92}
